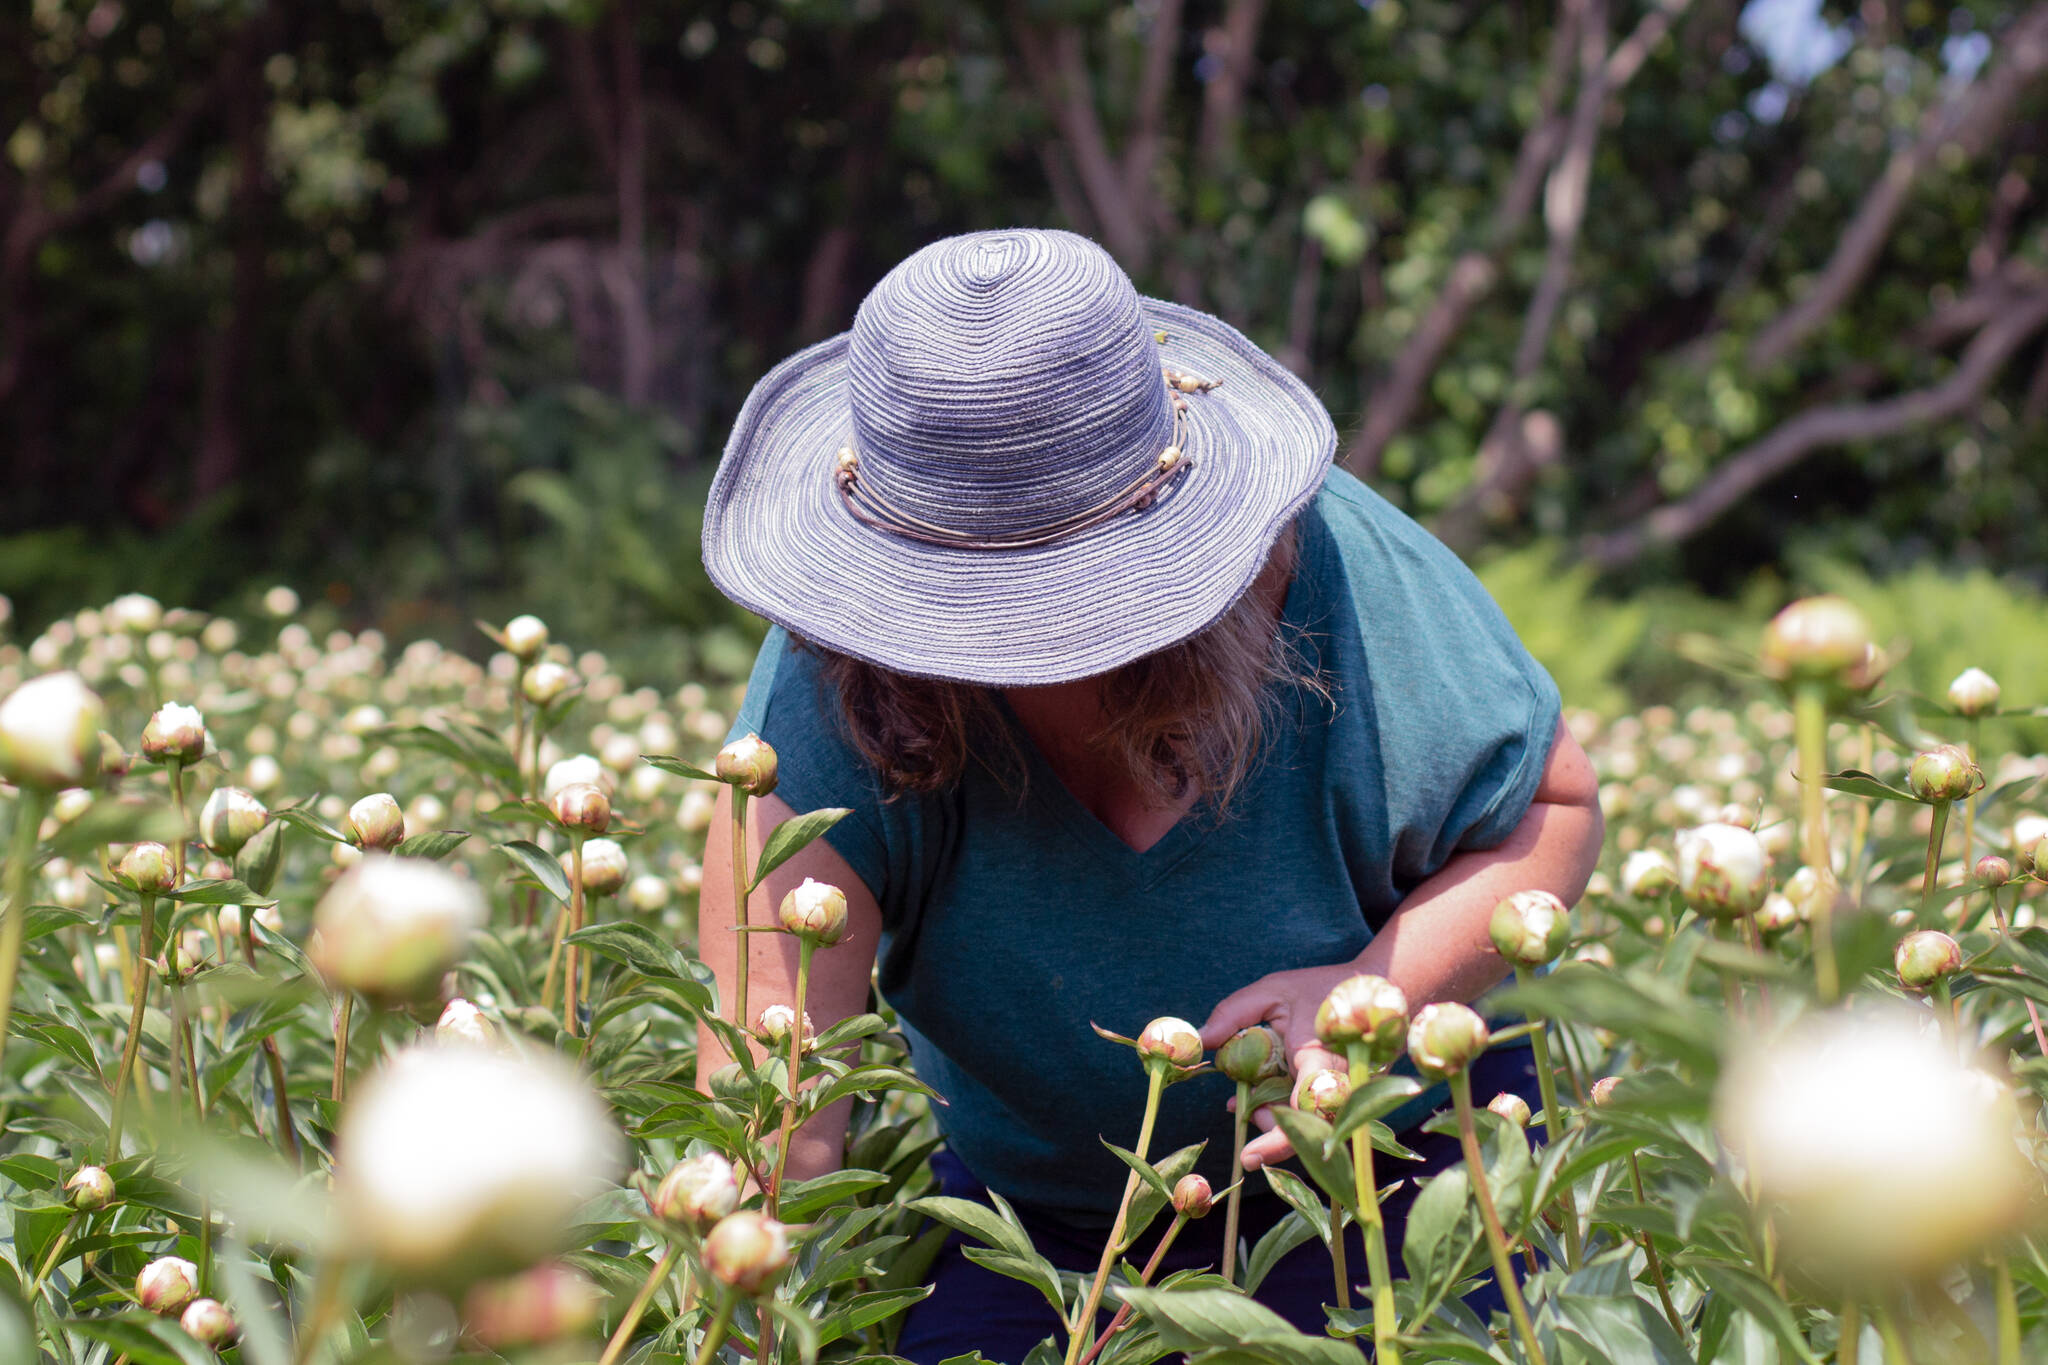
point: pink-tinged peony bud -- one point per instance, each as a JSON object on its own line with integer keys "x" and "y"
{"x": 1974, "y": 692}
{"x": 50, "y": 732}
{"x": 1170, "y": 1040}
{"x": 1944, "y": 773}
{"x": 605, "y": 868}
{"x": 1511, "y": 1107}
{"x": 748, "y": 764}
{"x": 133, "y": 613}
{"x": 548, "y": 1303}
{"x": 230, "y": 819}
{"x": 777, "y": 1020}
{"x": 175, "y": 734}
{"x": 115, "y": 761}
{"x": 1530, "y": 928}
{"x": 1364, "y": 1009}
{"x": 1776, "y": 913}
{"x": 815, "y": 911}
{"x": 1192, "y": 1197}
{"x": 525, "y": 637}
{"x": 1992, "y": 872}
{"x": 1595, "y": 955}
{"x": 582, "y": 806}
{"x": 1445, "y": 1038}
{"x": 1817, "y": 638}
{"x": 1604, "y": 1088}
{"x": 576, "y": 768}
{"x": 1925, "y": 957}
{"x": 208, "y": 1322}
{"x": 390, "y": 926}
{"x": 647, "y": 893}
{"x": 1723, "y": 871}
{"x": 147, "y": 867}
{"x": 746, "y": 1251}
{"x": 546, "y": 681}
{"x": 167, "y": 1284}
{"x": 698, "y": 1192}
{"x": 91, "y": 1188}
{"x": 1251, "y": 1055}
{"x": 1810, "y": 889}
{"x": 1647, "y": 874}
{"x": 1322, "y": 1093}
{"x": 377, "y": 821}
{"x": 463, "y": 1023}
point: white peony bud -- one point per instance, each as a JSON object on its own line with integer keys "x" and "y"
{"x": 1723, "y": 871}
{"x": 376, "y": 821}
{"x": 1364, "y": 1009}
{"x": 1974, "y": 692}
{"x": 50, "y": 732}
{"x": 463, "y": 1023}
{"x": 1170, "y": 1040}
{"x": 546, "y": 681}
{"x": 526, "y": 637}
{"x": 1530, "y": 928}
{"x": 746, "y": 1251}
{"x": 815, "y": 911}
{"x": 230, "y": 819}
{"x": 390, "y": 926}
{"x": 548, "y": 1303}
{"x": 1445, "y": 1038}
{"x": 208, "y": 1322}
{"x": 647, "y": 893}
{"x": 175, "y": 734}
{"x": 147, "y": 867}
{"x": 698, "y": 1192}
{"x": 578, "y": 769}
{"x": 1823, "y": 638}
{"x": 1511, "y": 1107}
{"x": 91, "y": 1188}
{"x": 1322, "y": 1092}
{"x": 605, "y": 868}
{"x": 133, "y": 613}
{"x": 1647, "y": 874}
{"x": 1925, "y": 957}
{"x": 167, "y": 1284}
{"x": 749, "y": 764}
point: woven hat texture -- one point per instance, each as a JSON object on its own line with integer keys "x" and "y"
{"x": 993, "y": 383}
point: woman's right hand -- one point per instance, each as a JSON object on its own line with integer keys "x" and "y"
{"x": 1286, "y": 1002}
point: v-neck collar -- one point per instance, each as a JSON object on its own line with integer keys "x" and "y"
{"x": 1052, "y": 795}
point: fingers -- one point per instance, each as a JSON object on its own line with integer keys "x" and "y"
{"x": 1240, "y": 1009}
{"x": 1270, "y": 1147}
{"x": 1315, "y": 1057}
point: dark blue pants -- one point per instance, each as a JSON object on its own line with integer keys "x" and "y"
{"x": 972, "y": 1308}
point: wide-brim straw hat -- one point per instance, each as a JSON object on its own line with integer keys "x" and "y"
{"x": 1012, "y": 470}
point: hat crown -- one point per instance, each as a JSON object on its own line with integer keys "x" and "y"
{"x": 1000, "y": 380}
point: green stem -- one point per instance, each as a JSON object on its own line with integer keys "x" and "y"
{"x": 1338, "y": 1268}
{"x": 288, "y": 1135}
{"x": 1553, "y": 1128}
{"x": 326, "y": 1307}
{"x": 133, "y": 1045}
{"x": 1496, "y": 1240}
{"x": 570, "y": 925}
{"x": 28, "y": 823}
{"x": 1378, "y": 1274}
{"x": 1234, "y": 1198}
{"x": 1084, "y": 1321}
{"x": 1851, "y": 1344}
{"x": 773, "y": 1194}
{"x": 1635, "y": 1171}
{"x": 1123, "y": 1314}
{"x": 1895, "y": 1352}
{"x": 1810, "y": 725}
{"x": 2008, "y": 1316}
{"x": 1935, "y": 832}
{"x": 342, "y": 1011}
{"x": 51, "y": 1261}
{"x": 743, "y": 948}
{"x": 178, "y": 800}
{"x": 662, "y": 1268}
{"x": 2033, "y": 1010}
{"x": 1970, "y": 812}
{"x": 714, "y": 1335}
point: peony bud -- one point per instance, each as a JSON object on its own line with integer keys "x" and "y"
{"x": 1172, "y": 1041}
{"x": 1648, "y": 874}
{"x": 698, "y": 1192}
{"x": 1974, "y": 692}
{"x": 777, "y": 1020}
{"x": 1816, "y": 638}
{"x": 175, "y": 734}
{"x": 49, "y": 732}
{"x": 582, "y": 806}
{"x": 746, "y": 1250}
{"x": 455, "y": 1159}
{"x": 208, "y": 1322}
{"x": 1925, "y": 957}
{"x": 545, "y": 682}
{"x": 1511, "y": 1107}
{"x": 1604, "y": 1088}
{"x": 115, "y": 761}
{"x": 525, "y": 637}
{"x": 647, "y": 893}
{"x": 815, "y": 912}
{"x": 390, "y": 926}
{"x": 91, "y": 1188}
{"x": 1530, "y": 928}
{"x": 377, "y": 821}
{"x": 1365, "y": 1009}
{"x": 230, "y": 819}
{"x": 167, "y": 1284}
{"x": 748, "y": 764}
{"x": 463, "y": 1023}
{"x": 1944, "y": 773}
{"x": 576, "y": 768}
{"x": 1445, "y": 1038}
{"x": 1992, "y": 872}
{"x": 1810, "y": 889}
{"x": 1322, "y": 1093}
{"x": 133, "y": 613}
{"x": 605, "y": 868}
{"x": 1723, "y": 871}
{"x": 1776, "y": 913}
{"x": 229, "y": 920}
{"x": 147, "y": 867}
{"x": 1192, "y": 1197}
{"x": 1251, "y": 1055}
{"x": 548, "y": 1303}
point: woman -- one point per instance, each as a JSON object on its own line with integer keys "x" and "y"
{"x": 1140, "y": 708}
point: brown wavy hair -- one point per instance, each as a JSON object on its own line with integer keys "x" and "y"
{"x": 1192, "y": 717}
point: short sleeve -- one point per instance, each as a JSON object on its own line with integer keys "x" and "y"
{"x": 788, "y": 705}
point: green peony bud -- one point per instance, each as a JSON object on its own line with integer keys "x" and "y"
{"x": 525, "y": 637}
{"x": 697, "y": 1193}
{"x": 582, "y": 806}
{"x": 1974, "y": 692}
{"x": 815, "y": 912}
{"x": 1816, "y": 638}
{"x": 545, "y": 682}
{"x": 1648, "y": 874}
{"x": 91, "y": 1188}
{"x": 748, "y": 764}
{"x": 175, "y": 734}
{"x": 1723, "y": 871}
{"x": 1251, "y": 1055}
{"x": 147, "y": 867}
{"x": 50, "y": 732}
{"x": 1322, "y": 1093}
{"x": 208, "y": 1322}
{"x": 1170, "y": 1040}
{"x": 166, "y": 1285}
{"x": 1364, "y": 1009}
{"x": 377, "y": 821}
{"x": 1192, "y": 1197}
{"x": 1445, "y": 1038}
{"x": 1530, "y": 928}
{"x": 1511, "y": 1107}
{"x": 1992, "y": 872}
{"x": 1925, "y": 957}
{"x": 1944, "y": 773}
{"x": 230, "y": 819}
{"x": 746, "y": 1251}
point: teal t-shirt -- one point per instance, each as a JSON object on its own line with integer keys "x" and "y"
{"x": 1008, "y": 928}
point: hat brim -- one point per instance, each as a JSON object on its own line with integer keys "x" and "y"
{"x": 778, "y": 541}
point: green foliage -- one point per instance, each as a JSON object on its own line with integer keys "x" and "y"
{"x": 1582, "y": 637}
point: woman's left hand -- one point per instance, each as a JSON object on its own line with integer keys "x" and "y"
{"x": 1286, "y": 1002}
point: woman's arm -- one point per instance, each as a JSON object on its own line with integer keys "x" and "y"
{"x": 839, "y": 975}
{"x": 1435, "y": 946}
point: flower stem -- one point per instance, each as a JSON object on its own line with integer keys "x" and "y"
{"x": 1084, "y": 1321}
{"x": 28, "y": 823}
{"x": 1378, "y": 1275}
{"x": 130, "y": 1048}
{"x": 1895, "y": 1352}
{"x": 617, "y": 1345}
{"x": 342, "y": 1010}
{"x": 1338, "y": 1268}
{"x": 2008, "y": 1315}
{"x": 1970, "y": 807}
{"x": 51, "y": 1261}
{"x": 178, "y": 800}
{"x": 1234, "y": 1198}
{"x": 1635, "y": 1171}
{"x": 570, "y": 925}
{"x": 743, "y": 948}
{"x": 1851, "y": 1344}
{"x": 1935, "y": 832}
{"x": 773, "y": 1195}
{"x": 1810, "y": 724}
{"x": 1553, "y": 1118}
{"x": 320, "y": 1316}
{"x": 714, "y": 1335}
{"x": 2033, "y": 1010}
{"x": 288, "y": 1135}
{"x": 1496, "y": 1240}
{"x": 1123, "y": 1314}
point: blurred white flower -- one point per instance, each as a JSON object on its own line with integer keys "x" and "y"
{"x": 390, "y": 926}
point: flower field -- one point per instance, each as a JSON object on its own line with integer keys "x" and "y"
{"x": 349, "y": 1013}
